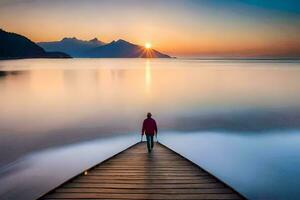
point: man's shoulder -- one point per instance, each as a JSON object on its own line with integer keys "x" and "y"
{"x": 149, "y": 120}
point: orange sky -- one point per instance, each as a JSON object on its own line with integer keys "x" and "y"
{"x": 179, "y": 28}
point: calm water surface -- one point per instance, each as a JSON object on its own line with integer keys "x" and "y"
{"x": 240, "y": 120}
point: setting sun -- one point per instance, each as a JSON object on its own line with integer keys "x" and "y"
{"x": 148, "y": 45}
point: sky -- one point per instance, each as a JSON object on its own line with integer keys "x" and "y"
{"x": 188, "y": 28}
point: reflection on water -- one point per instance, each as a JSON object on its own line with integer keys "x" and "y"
{"x": 260, "y": 166}
{"x": 52, "y": 103}
{"x": 148, "y": 76}
{"x": 34, "y": 175}
{"x": 9, "y": 73}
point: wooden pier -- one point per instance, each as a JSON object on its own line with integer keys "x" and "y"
{"x": 135, "y": 174}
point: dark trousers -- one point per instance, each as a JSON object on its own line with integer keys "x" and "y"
{"x": 149, "y": 142}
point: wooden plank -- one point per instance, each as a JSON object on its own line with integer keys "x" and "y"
{"x": 147, "y": 177}
{"x": 124, "y": 168}
{"x": 143, "y": 186}
{"x": 135, "y": 174}
{"x": 146, "y": 190}
{"x": 140, "y": 172}
{"x": 140, "y": 196}
{"x": 104, "y": 166}
{"x": 128, "y": 181}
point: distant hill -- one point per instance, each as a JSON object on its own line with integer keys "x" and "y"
{"x": 14, "y": 46}
{"x": 71, "y": 46}
{"x": 123, "y": 49}
{"x": 98, "y": 49}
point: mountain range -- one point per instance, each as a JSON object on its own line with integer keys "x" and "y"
{"x": 14, "y": 46}
{"x": 71, "y": 46}
{"x": 98, "y": 49}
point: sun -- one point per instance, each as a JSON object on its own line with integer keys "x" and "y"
{"x": 148, "y": 45}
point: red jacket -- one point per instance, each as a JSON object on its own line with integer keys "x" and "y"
{"x": 149, "y": 127}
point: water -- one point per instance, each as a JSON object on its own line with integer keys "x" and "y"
{"x": 240, "y": 120}
{"x": 260, "y": 166}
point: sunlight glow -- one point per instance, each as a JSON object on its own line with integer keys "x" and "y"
{"x": 148, "y": 76}
{"x": 148, "y": 45}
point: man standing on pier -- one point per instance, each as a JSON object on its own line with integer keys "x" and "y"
{"x": 150, "y": 129}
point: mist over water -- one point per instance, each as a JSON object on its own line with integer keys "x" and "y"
{"x": 53, "y": 105}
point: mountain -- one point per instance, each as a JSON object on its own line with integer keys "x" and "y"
{"x": 123, "y": 49}
{"x": 71, "y": 46}
{"x": 13, "y": 46}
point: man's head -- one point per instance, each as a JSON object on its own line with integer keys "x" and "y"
{"x": 149, "y": 115}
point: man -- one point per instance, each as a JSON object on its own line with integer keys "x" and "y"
{"x": 150, "y": 129}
